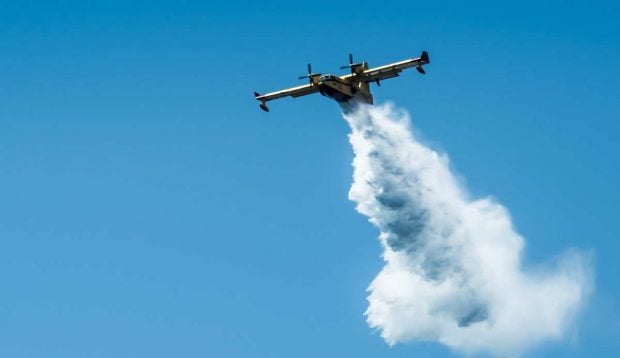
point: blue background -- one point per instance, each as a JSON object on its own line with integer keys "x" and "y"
{"x": 148, "y": 208}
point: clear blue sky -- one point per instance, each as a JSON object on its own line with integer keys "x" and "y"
{"x": 148, "y": 208}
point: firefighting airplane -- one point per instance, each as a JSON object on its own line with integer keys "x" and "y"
{"x": 343, "y": 88}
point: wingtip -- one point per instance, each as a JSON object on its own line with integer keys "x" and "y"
{"x": 425, "y": 57}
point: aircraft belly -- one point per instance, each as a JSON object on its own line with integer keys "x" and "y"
{"x": 338, "y": 91}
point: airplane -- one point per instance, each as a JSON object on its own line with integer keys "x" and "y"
{"x": 346, "y": 87}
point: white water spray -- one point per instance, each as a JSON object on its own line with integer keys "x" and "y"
{"x": 453, "y": 271}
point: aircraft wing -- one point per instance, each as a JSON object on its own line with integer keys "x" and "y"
{"x": 393, "y": 69}
{"x": 293, "y": 92}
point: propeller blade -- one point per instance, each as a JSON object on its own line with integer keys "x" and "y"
{"x": 309, "y": 75}
{"x": 343, "y": 67}
{"x": 350, "y": 59}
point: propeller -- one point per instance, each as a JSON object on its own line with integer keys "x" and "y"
{"x": 352, "y": 65}
{"x": 310, "y": 74}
